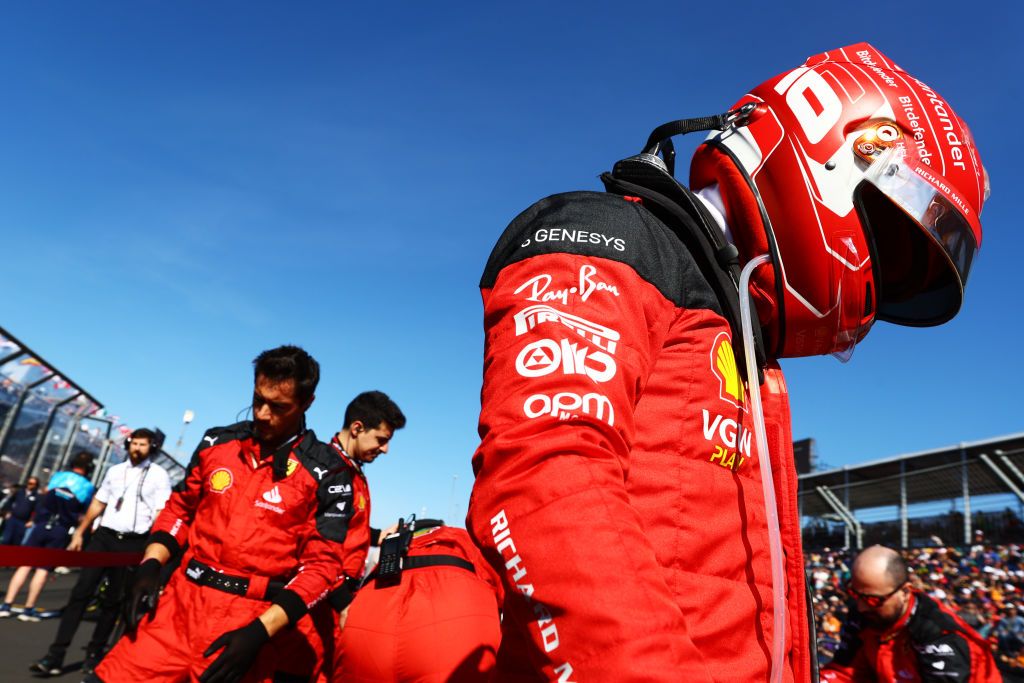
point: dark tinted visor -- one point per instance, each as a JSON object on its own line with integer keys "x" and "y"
{"x": 923, "y": 244}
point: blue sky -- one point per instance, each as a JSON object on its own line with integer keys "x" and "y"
{"x": 185, "y": 184}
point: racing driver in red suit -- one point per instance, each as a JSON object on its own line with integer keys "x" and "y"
{"x": 623, "y": 488}
{"x": 264, "y": 509}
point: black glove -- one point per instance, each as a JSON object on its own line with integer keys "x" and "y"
{"x": 240, "y": 649}
{"x": 143, "y": 594}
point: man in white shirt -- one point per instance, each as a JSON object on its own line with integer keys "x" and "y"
{"x": 127, "y": 502}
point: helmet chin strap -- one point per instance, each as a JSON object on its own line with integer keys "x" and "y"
{"x": 660, "y": 139}
{"x": 767, "y": 480}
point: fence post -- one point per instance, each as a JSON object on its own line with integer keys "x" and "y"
{"x": 846, "y": 503}
{"x": 967, "y": 496}
{"x": 904, "y": 535}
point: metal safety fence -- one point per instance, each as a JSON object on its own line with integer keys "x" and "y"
{"x": 961, "y": 494}
{"x": 46, "y": 418}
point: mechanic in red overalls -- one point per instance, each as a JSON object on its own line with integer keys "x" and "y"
{"x": 371, "y": 420}
{"x": 264, "y": 511}
{"x": 896, "y": 633}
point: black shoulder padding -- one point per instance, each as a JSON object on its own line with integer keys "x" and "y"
{"x": 645, "y": 176}
{"x": 316, "y": 456}
{"x": 218, "y": 435}
{"x": 942, "y": 647}
{"x": 929, "y": 622}
{"x": 603, "y": 225}
{"x": 667, "y": 236}
{"x": 334, "y": 487}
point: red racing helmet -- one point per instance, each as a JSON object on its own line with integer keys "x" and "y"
{"x": 864, "y": 187}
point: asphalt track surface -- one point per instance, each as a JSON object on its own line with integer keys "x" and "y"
{"x": 22, "y": 643}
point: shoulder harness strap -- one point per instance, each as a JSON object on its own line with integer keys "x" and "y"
{"x": 646, "y": 176}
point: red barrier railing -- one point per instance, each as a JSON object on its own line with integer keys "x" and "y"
{"x": 20, "y": 556}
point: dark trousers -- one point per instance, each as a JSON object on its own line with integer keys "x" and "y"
{"x": 14, "y": 531}
{"x": 104, "y": 540}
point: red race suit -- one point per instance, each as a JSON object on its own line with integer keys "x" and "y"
{"x": 618, "y": 484}
{"x": 283, "y": 532}
{"x": 357, "y": 536}
{"x": 438, "y": 624}
{"x": 357, "y": 542}
{"x": 929, "y": 644}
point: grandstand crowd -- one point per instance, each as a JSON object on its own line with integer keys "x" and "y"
{"x": 983, "y": 583}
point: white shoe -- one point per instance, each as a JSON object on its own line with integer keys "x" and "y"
{"x": 29, "y": 614}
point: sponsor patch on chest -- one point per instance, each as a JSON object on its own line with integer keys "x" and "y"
{"x": 271, "y": 500}
{"x": 726, "y": 428}
{"x": 730, "y": 440}
{"x": 221, "y": 480}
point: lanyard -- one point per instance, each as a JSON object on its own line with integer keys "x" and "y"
{"x": 141, "y": 479}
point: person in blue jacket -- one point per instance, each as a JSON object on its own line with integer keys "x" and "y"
{"x": 69, "y": 495}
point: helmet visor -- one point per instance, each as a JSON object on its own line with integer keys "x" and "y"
{"x": 924, "y": 239}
